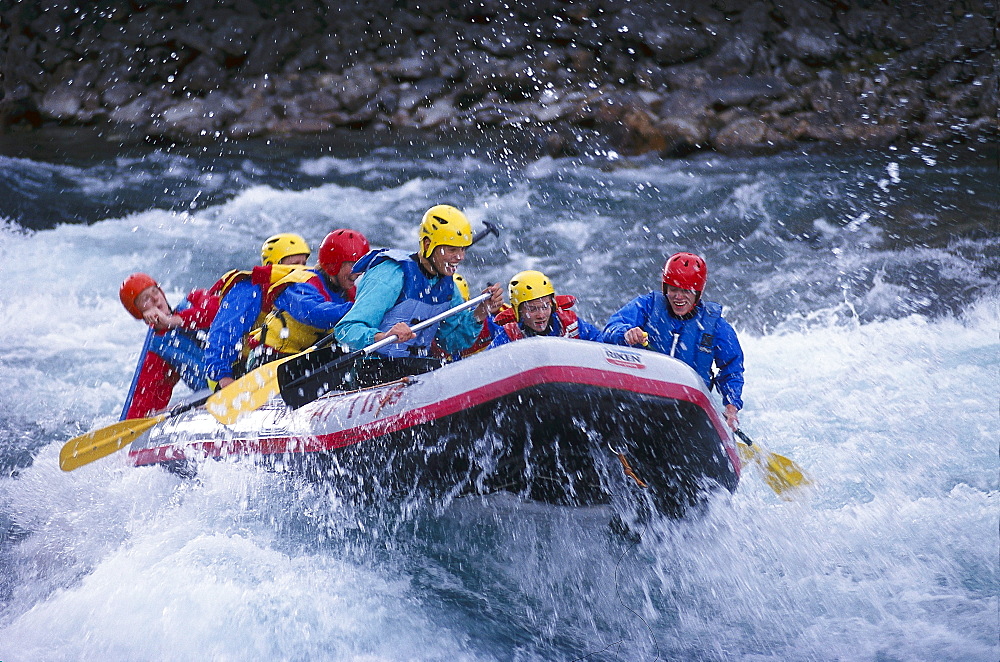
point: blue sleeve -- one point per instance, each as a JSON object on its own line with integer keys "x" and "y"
{"x": 633, "y": 314}
{"x": 304, "y": 302}
{"x": 238, "y": 310}
{"x": 459, "y": 331}
{"x": 728, "y": 357}
{"x": 378, "y": 290}
{"x": 588, "y": 331}
{"x": 499, "y": 338}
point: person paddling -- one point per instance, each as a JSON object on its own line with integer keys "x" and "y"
{"x": 675, "y": 321}
{"x": 244, "y": 305}
{"x": 309, "y": 302}
{"x": 396, "y": 289}
{"x": 175, "y": 346}
{"x": 536, "y": 310}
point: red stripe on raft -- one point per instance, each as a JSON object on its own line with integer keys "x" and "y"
{"x": 447, "y": 407}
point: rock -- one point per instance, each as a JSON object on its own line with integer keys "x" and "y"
{"x": 551, "y": 111}
{"x": 685, "y": 103}
{"x": 202, "y": 75}
{"x": 864, "y": 26}
{"x": 235, "y": 35}
{"x": 742, "y": 134}
{"x": 300, "y": 125}
{"x": 681, "y": 136}
{"x": 811, "y": 46}
{"x": 744, "y": 91}
{"x": 319, "y": 103}
{"x": 409, "y": 68}
{"x": 686, "y": 76}
{"x": 193, "y": 36}
{"x": 141, "y": 110}
{"x": 557, "y": 145}
{"x": 833, "y": 96}
{"x": 189, "y": 118}
{"x": 794, "y": 72}
{"x": 358, "y": 85}
{"x": 62, "y": 103}
{"x": 674, "y": 44}
{"x": 438, "y": 113}
{"x": 272, "y": 46}
{"x": 119, "y": 94}
{"x": 807, "y": 69}
{"x": 637, "y": 133}
{"x": 254, "y": 122}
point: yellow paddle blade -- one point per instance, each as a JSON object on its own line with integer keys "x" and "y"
{"x": 86, "y": 448}
{"x": 247, "y": 393}
{"x": 781, "y": 474}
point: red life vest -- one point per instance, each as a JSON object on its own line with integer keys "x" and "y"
{"x": 567, "y": 319}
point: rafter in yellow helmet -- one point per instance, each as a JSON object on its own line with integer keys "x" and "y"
{"x": 280, "y": 246}
{"x": 528, "y": 286}
{"x": 444, "y": 225}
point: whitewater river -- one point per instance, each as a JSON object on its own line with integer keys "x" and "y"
{"x": 863, "y": 286}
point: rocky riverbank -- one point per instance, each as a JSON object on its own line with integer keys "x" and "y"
{"x": 728, "y": 75}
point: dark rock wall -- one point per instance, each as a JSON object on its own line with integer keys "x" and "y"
{"x": 668, "y": 76}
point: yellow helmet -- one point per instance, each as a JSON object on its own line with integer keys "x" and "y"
{"x": 528, "y": 286}
{"x": 280, "y": 246}
{"x": 463, "y": 285}
{"x": 445, "y": 225}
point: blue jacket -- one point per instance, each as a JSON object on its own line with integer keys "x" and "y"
{"x": 383, "y": 287}
{"x": 238, "y": 310}
{"x": 703, "y": 339}
{"x": 307, "y": 305}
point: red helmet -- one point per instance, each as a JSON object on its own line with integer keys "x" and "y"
{"x": 133, "y": 286}
{"x": 341, "y": 246}
{"x": 686, "y": 271}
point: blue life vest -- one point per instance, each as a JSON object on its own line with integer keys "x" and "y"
{"x": 692, "y": 341}
{"x": 421, "y": 298}
{"x": 184, "y": 351}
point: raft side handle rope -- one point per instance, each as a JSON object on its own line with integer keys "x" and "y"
{"x": 626, "y": 467}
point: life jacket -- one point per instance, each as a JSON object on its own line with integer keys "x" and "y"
{"x": 263, "y": 277}
{"x": 420, "y": 298}
{"x": 282, "y": 332}
{"x": 184, "y": 350}
{"x": 694, "y": 343}
{"x": 569, "y": 326}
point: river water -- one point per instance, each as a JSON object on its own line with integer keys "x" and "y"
{"x": 863, "y": 286}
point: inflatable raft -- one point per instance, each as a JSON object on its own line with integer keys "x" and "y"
{"x": 549, "y": 419}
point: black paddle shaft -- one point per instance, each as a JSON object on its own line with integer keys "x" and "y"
{"x": 305, "y": 379}
{"x": 304, "y": 382}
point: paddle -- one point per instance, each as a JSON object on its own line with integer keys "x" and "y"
{"x": 94, "y": 445}
{"x": 301, "y": 384}
{"x": 482, "y": 234}
{"x": 251, "y": 391}
{"x": 781, "y": 474}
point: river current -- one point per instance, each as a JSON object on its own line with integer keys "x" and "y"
{"x": 863, "y": 286}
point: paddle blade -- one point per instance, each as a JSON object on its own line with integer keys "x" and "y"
{"x": 246, "y": 394}
{"x": 86, "y": 448}
{"x": 781, "y": 474}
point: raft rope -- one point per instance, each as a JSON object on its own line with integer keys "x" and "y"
{"x": 627, "y": 467}
{"x": 392, "y": 391}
